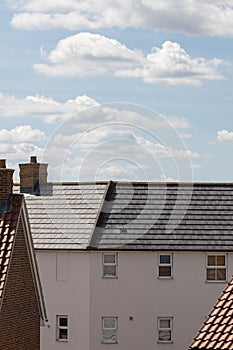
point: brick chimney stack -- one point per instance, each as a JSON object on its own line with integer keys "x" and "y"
{"x": 6, "y": 185}
{"x": 32, "y": 176}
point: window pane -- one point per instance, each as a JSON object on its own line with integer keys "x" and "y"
{"x": 220, "y": 260}
{"x": 210, "y": 274}
{"x": 109, "y": 271}
{"x": 164, "y": 323}
{"x": 221, "y": 274}
{"x": 165, "y": 335}
{"x": 211, "y": 260}
{"x": 109, "y": 335}
{"x": 109, "y": 322}
{"x": 165, "y": 271}
{"x": 63, "y": 333}
{"x": 109, "y": 258}
{"x": 165, "y": 259}
{"x": 63, "y": 322}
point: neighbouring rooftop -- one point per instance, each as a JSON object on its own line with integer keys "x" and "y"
{"x": 216, "y": 332}
{"x": 133, "y": 216}
{"x": 8, "y": 227}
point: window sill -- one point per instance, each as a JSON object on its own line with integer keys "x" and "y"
{"x": 164, "y": 342}
{"x": 217, "y": 281}
{"x": 109, "y": 277}
{"x": 165, "y": 277}
{"x": 108, "y": 342}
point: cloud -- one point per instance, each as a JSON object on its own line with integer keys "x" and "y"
{"x": 224, "y": 135}
{"x": 165, "y": 151}
{"x": 22, "y": 134}
{"x": 87, "y": 54}
{"x": 53, "y": 111}
{"x": 200, "y": 17}
{"x": 92, "y": 141}
{"x": 50, "y": 110}
{"x": 123, "y": 136}
{"x": 117, "y": 151}
{"x": 173, "y": 66}
{"x": 18, "y": 143}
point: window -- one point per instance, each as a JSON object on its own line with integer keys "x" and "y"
{"x": 109, "y": 330}
{"x": 216, "y": 267}
{"x": 165, "y": 265}
{"x": 62, "y": 328}
{"x": 109, "y": 265}
{"x": 165, "y": 329}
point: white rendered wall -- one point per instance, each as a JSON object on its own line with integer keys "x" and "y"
{"x": 66, "y": 298}
{"x": 138, "y": 292}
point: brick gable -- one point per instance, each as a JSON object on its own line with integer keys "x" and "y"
{"x": 20, "y": 316}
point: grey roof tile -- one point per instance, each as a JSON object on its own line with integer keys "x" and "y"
{"x": 160, "y": 216}
{"x": 64, "y": 216}
{"x": 144, "y": 216}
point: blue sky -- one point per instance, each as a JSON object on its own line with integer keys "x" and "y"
{"x": 127, "y": 90}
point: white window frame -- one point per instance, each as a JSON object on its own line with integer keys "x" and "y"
{"x": 216, "y": 267}
{"x": 59, "y": 327}
{"x": 106, "y": 264}
{"x": 167, "y": 329}
{"x": 109, "y": 341}
{"x": 165, "y": 265}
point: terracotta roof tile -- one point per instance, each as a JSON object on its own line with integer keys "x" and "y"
{"x": 8, "y": 226}
{"x": 217, "y": 331}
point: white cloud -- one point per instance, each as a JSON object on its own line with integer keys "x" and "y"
{"x": 53, "y": 111}
{"x": 119, "y": 170}
{"x": 224, "y": 135}
{"x": 87, "y": 54}
{"x": 22, "y": 134}
{"x": 199, "y": 17}
{"x": 97, "y": 136}
{"x": 165, "y": 151}
{"x": 50, "y": 110}
{"x": 17, "y": 144}
{"x": 172, "y": 65}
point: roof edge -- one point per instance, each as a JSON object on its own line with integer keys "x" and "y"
{"x": 33, "y": 261}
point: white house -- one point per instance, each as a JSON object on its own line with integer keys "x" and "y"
{"x": 128, "y": 266}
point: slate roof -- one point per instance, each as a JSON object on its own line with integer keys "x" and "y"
{"x": 217, "y": 331}
{"x": 64, "y": 216}
{"x": 8, "y": 228}
{"x": 133, "y": 216}
{"x": 166, "y": 216}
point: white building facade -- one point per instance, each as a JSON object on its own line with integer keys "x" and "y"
{"x": 144, "y": 309}
{"x": 128, "y": 266}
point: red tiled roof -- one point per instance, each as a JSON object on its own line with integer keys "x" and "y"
{"x": 8, "y": 228}
{"x": 217, "y": 331}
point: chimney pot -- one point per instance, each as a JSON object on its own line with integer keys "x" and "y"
{"x": 33, "y": 159}
{"x": 2, "y": 163}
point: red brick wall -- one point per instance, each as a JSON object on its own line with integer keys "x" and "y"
{"x": 31, "y": 173}
{"x": 19, "y": 316}
{"x": 6, "y": 183}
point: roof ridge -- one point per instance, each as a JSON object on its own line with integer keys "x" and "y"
{"x": 137, "y": 182}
